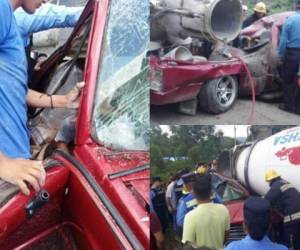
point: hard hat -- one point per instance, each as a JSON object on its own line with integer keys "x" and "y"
{"x": 245, "y": 8}
{"x": 271, "y": 175}
{"x": 261, "y": 8}
{"x": 201, "y": 170}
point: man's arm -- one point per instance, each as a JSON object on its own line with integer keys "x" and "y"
{"x": 168, "y": 198}
{"x": 19, "y": 171}
{"x": 5, "y": 20}
{"x": 272, "y": 195}
{"x": 169, "y": 204}
{"x": 48, "y": 16}
{"x": 40, "y": 100}
{"x": 159, "y": 237}
{"x": 227, "y": 225}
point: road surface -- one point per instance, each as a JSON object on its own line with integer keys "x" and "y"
{"x": 265, "y": 114}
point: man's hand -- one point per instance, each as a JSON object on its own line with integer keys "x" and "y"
{"x": 72, "y": 98}
{"x": 22, "y": 171}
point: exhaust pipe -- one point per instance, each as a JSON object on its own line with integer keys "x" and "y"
{"x": 212, "y": 20}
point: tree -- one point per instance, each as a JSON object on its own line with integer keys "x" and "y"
{"x": 188, "y": 145}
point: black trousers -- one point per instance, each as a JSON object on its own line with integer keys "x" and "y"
{"x": 292, "y": 235}
{"x": 290, "y": 67}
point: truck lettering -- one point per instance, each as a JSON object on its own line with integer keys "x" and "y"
{"x": 287, "y": 138}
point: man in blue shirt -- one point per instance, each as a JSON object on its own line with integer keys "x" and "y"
{"x": 186, "y": 203}
{"x": 257, "y": 218}
{"x": 15, "y": 166}
{"x": 48, "y": 16}
{"x": 289, "y": 53}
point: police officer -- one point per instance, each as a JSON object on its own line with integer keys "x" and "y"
{"x": 177, "y": 189}
{"x": 186, "y": 203}
{"x": 257, "y": 219}
{"x": 157, "y": 196}
{"x": 286, "y": 199}
{"x": 289, "y": 53}
{"x": 260, "y": 10}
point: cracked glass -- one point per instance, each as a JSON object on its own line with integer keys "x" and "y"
{"x": 121, "y": 110}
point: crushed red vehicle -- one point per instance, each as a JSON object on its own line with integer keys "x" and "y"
{"x": 233, "y": 195}
{"x": 214, "y": 83}
{"x": 96, "y": 194}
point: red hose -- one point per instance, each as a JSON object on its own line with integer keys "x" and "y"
{"x": 252, "y": 86}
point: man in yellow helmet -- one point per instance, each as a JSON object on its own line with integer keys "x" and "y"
{"x": 260, "y": 10}
{"x": 286, "y": 199}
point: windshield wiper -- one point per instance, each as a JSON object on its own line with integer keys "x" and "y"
{"x": 128, "y": 172}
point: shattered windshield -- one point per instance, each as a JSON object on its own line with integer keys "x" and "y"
{"x": 121, "y": 111}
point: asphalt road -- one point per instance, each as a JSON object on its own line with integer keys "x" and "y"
{"x": 265, "y": 114}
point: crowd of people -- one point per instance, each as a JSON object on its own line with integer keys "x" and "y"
{"x": 192, "y": 210}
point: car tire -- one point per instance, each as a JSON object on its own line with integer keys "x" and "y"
{"x": 219, "y": 95}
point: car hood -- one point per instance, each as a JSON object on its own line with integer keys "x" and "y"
{"x": 236, "y": 211}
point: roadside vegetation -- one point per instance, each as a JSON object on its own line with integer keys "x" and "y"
{"x": 273, "y": 6}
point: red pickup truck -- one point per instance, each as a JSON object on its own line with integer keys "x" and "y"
{"x": 97, "y": 192}
{"x": 214, "y": 83}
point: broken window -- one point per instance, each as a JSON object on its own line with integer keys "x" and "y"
{"x": 231, "y": 193}
{"x": 121, "y": 110}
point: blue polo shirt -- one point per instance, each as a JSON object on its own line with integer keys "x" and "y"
{"x": 290, "y": 34}
{"x": 14, "y": 135}
{"x": 249, "y": 244}
{"x": 185, "y": 204}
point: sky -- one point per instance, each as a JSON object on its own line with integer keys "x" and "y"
{"x": 228, "y": 130}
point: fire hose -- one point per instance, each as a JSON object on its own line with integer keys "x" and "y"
{"x": 251, "y": 83}
{"x": 252, "y": 86}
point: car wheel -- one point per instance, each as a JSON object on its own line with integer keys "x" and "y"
{"x": 218, "y": 95}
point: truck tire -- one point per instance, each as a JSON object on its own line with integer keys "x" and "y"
{"x": 218, "y": 95}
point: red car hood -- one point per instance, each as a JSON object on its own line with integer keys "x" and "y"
{"x": 236, "y": 211}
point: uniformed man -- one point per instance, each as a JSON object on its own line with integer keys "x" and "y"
{"x": 157, "y": 196}
{"x": 257, "y": 219}
{"x": 177, "y": 189}
{"x": 260, "y": 10}
{"x": 186, "y": 203}
{"x": 289, "y": 54}
{"x": 286, "y": 199}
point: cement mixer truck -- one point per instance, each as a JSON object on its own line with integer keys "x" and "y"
{"x": 192, "y": 62}
{"x": 248, "y": 162}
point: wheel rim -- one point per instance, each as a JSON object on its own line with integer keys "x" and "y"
{"x": 226, "y": 91}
